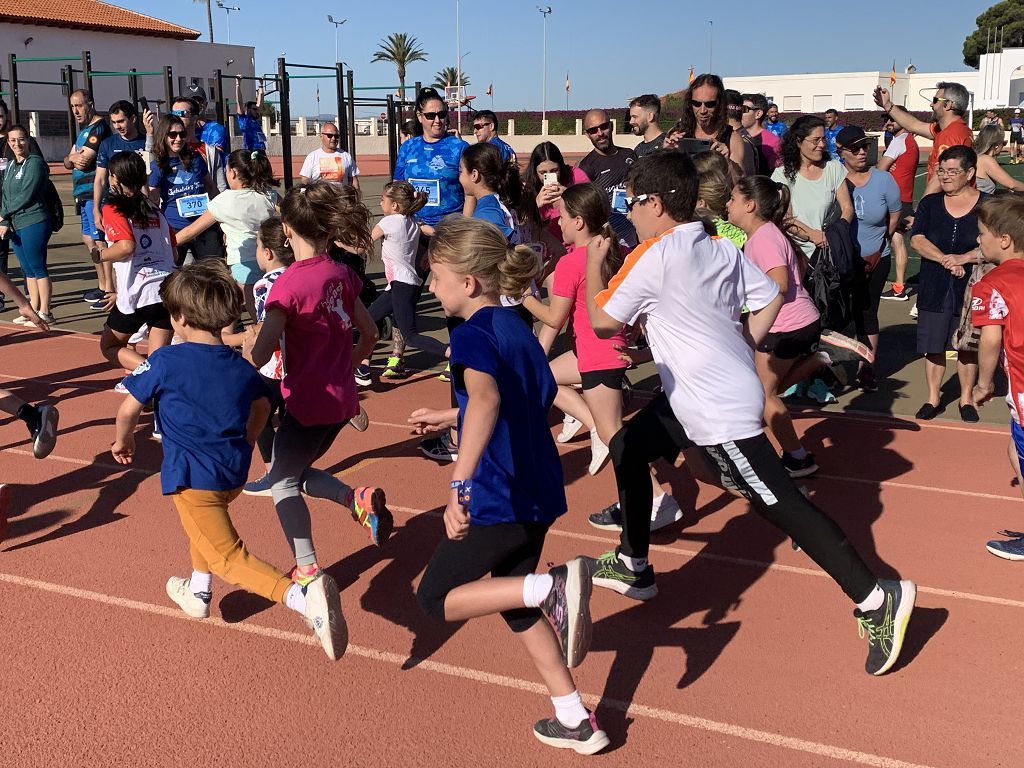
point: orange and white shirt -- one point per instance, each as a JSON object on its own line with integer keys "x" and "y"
{"x": 690, "y": 287}
{"x": 335, "y": 167}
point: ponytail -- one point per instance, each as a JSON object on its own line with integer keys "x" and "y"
{"x": 590, "y": 203}
{"x": 320, "y": 213}
{"x": 773, "y": 199}
{"x": 253, "y": 169}
{"x": 405, "y": 196}
{"x": 478, "y": 248}
{"x": 496, "y": 174}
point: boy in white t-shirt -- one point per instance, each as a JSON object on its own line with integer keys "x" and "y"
{"x": 328, "y": 163}
{"x": 689, "y": 288}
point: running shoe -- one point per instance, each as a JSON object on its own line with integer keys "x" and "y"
{"x": 587, "y": 738}
{"x": 598, "y": 453}
{"x": 369, "y": 509}
{"x": 48, "y": 318}
{"x": 446, "y": 374}
{"x": 440, "y": 448}
{"x": 570, "y": 427}
{"x": 395, "y": 369}
{"x": 1008, "y": 550}
{"x": 21, "y": 320}
{"x": 44, "y": 431}
{"x": 799, "y": 467}
{"x": 896, "y": 293}
{"x": 93, "y": 295}
{"x": 364, "y": 377}
{"x": 913, "y": 311}
{"x": 567, "y": 607}
{"x": 608, "y": 519}
{"x": 324, "y": 616}
{"x": 610, "y": 572}
{"x": 886, "y": 626}
{"x": 361, "y": 421}
{"x": 120, "y": 388}
{"x": 866, "y": 379}
{"x": 820, "y": 392}
{"x": 100, "y": 305}
{"x": 841, "y": 348}
{"x": 665, "y": 513}
{"x": 258, "y": 487}
{"x": 195, "y": 604}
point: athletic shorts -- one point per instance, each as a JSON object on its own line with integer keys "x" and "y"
{"x": 1017, "y": 435}
{"x": 88, "y": 225}
{"x": 246, "y": 272}
{"x": 609, "y": 377}
{"x": 1016, "y": 138}
{"x": 789, "y": 345}
{"x": 153, "y": 315}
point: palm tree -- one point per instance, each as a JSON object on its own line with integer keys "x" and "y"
{"x": 401, "y": 50}
{"x": 448, "y": 76}
{"x": 209, "y": 15}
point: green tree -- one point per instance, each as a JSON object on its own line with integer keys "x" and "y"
{"x": 447, "y": 77}
{"x": 1008, "y": 17}
{"x": 401, "y": 50}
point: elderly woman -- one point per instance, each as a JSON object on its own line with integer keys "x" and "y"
{"x": 990, "y": 141}
{"x": 945, "y": 235}
{"x": 704, "y": 118}
{"x": 25, "y": 220}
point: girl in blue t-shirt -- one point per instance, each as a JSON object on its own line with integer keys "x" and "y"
{"x": 507, "y": 486}
{"x": 496, "y": 186}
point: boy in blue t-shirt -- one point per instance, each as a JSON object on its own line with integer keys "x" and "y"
{"x": 211, "y": 405}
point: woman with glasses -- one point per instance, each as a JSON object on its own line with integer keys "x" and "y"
{"x": 181, "y": 184}
{"x": 945, "y": 235}
{"x": 990, "y": 141}
{"x": 877, "y": 207}
{"x": 704, "y": 118}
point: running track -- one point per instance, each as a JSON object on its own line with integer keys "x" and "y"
{"x": 748, "y": 656}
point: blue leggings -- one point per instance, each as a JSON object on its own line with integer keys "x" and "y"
{"x": 29, "y": 245}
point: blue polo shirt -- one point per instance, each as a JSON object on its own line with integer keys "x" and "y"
{"x": 519, "y": 477}
{"x": 433, "y": 167}
{"x": 204, "y": 393}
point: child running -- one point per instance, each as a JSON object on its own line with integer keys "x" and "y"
{"x": 691, "y": 287}
{"x": 400, "y": 238}
{"x": 788, "y": 354}
{"x": 212, "y": 405}
{"x": 997, "y": 308}
{"x": 142, "y": 249}
{"x": 507, "y": 486}
{"x": 249, "y": 200}
{"x": 495, "y": 184}
{"x": 315, "y": 305}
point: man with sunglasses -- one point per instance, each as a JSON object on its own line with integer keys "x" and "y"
{"x": 948, "y": 129}
{"x": 755, "y": 108}
{"x": 485, "y": 128}
{"x": 900, "y": 159}
{"x": 643, "y": 122}
{"x": 607, "y": 166}
{"x": 328, "y": 162}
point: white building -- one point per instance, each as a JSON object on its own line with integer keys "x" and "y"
{"x": 118, "y": 40}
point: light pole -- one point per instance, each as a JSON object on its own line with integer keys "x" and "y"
{"x": 227, "y": 12}
{"x": 336, "y": 24}
{"x": 711, "y": 43}
{"x": 545, "y": 11}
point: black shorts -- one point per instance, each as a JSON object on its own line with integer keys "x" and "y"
{"x": 153, "y": 315}
{"x": 789, "y": 345}
{"x": 1016, "y": 138}
{"x": 609, "y": 377}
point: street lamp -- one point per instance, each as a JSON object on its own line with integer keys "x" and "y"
{"x": 545, "y": 11}
{"x": 227, "y": 12}
{"x": 336, "y": 24}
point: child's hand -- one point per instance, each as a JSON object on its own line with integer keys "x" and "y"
{"x": 598, "y": 249}
{"x": 456, "y": 518}
{"x": 982, "y": 393}
{"x": 111, "y": 300}
{"x": 249, "y": 337}
{"x": 424, "y": 420}
{"x": 632, "y": 355}
{"x": 123, "y": 451}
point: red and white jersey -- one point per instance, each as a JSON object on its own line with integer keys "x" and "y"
{"x": 139, "y": 278}
{"x": 998, "y": 299}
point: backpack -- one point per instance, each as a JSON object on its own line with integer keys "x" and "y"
{"x": 54, "y": 207}
{"x": 824, "y": 282}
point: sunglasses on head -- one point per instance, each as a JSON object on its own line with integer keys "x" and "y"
{"x": 595, "y": 129}
{"x": 175, "y": 134}
{"x": 706, "y": 104}
{"x": 432, "y": 116}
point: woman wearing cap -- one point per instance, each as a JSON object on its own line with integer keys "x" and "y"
{"x": 877, "y": 208}
{"x": 989, "y": 142}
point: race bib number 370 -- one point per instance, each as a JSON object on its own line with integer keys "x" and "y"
{"x": 193, "y": 205}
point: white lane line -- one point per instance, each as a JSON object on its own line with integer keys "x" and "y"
{"x": 485, "y": 678}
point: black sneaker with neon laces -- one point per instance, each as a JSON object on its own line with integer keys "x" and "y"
{"x": 587, "y": 738}
{"x": 886, "y": 627}
{"x": 567, "y": 607}
{"x": 608, "y": 519}
{"x": 610, "y": 572}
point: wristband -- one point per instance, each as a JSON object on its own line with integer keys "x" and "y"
{"x": 464, "y": 488}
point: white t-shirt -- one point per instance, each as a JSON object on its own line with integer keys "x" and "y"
{"x": 139, "y": 278}
{"x": 336, "y": 167}
{"x": 240, "y": 213}
{"x": 812, "y": 199}
{"x": 897, "y": 146}
{"x": 398, "y": 249}
{"x": 690, "y": 287}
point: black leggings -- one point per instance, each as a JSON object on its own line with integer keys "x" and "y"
{"x": 749, "y": 466}
{"x": 265, "y": 439}
{"x": 867, "y": 295}
{"x": 506, "y": 549}
{"x": 400, "y": 301}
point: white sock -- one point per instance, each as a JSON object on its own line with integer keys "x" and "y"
{"x": 799, "y": 453}
{"x": 569, "y": 709}
{"x": 635, "y": 564}
{"x": 873, "y": 601}
{"x": 536, "y": 587}
{"x": 657, "y": 501}
{"x": 295, "y": 598}
{"x": 200, "y": 582}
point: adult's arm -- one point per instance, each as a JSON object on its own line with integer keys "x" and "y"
{"x": 900, "y": 116}
{"x": 99, "y": 188}
{"x": 995, "y": 172}
{"x": 845, "y": 201}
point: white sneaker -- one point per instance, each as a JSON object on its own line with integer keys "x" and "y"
{"x": 120, "y": 388}
{"x": 324, "y": 616}
{"x": 140, "y": 335}
{"x": 598, "y": 453}
{"x": 570, "y": 427}
{"x": 20, "y": 320}
{"x": 360, "y": 421}
{"x": 665, "y": 513}
{"x": 913, "y": 311}
{"x": 179, "y": 591}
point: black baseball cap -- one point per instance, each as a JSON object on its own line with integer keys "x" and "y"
{"x": 196, "y": 93}
{"x": 851, "y": 136}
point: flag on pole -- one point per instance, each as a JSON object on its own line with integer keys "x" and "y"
{"x": 490, "y": 90}
{"x": 691, "y": 76}
{"x": 892, "y": 74}
{"x": 566, "y": 82}
{"x": 318, "y": 95}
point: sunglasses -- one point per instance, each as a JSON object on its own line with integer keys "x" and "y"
{"x": 175, "y": 134}
{"x": 631, "y": 201}
{"x": 329, "y": 135}
{"x": 179, "y": 112}
{"x": 936, "y": 99}
{"x": 432, "y": 116}
{"x": 856, "y": 150}
{"x": 595, "y": 129}
{"x": 480, "y": 126}
{"x": 705, "y": 104}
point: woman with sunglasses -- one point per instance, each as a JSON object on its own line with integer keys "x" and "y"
{"x": 704, "y": 118}
{"x": 181, "y": 184}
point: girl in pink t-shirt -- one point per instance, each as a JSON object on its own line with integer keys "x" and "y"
{"x": 315, "y": 306}
{"x": 760, "y": 206}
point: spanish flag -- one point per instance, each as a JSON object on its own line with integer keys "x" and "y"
{"x": 566, "y": 82}
{"x": 892, "y": 75}
{"x": 691, "y": 76}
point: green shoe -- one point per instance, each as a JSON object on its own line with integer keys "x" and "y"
{"x": 610, "y": 572}
{"x": 446, "y": 374}
{"x": 395, "y": 369}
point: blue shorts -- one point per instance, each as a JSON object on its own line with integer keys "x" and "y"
{"x": 88, "y": 225}
{"x": 246, "y": 272}
{"x": 1017, "y": 434}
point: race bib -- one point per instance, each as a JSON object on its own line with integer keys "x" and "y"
{"x": 193, "y": 205}
{"x": 619, "y": 200}
{"x": 433, "y": 189}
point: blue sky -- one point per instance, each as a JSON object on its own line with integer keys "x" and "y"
{"x": 611, "y": 50}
